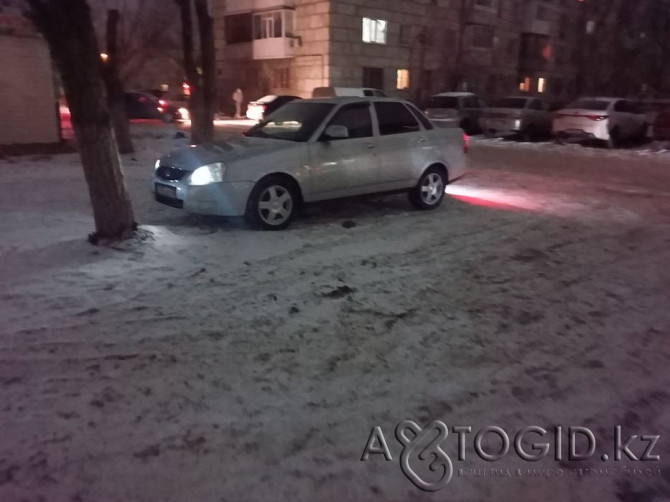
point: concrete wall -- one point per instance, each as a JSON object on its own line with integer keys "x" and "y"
{"x": 27, "y": 100}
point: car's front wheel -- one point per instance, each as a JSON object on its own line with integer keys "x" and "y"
{"x": 429, "y": 191}
{"x": 272, "y": 204}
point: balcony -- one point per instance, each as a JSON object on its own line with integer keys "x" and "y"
{"x": 274, "y": 48}
{"x": 537, "y": 18}
{"x": 239, "y": 6}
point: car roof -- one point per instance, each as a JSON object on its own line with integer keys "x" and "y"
{"x": 353, "y": 99}
{"x": 454, "y": 94}
{"x": 600, "y": 98}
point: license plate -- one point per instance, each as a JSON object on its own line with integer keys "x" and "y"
{"x": 166, "y": 191}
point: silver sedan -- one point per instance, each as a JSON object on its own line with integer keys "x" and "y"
{"x": 313, "y": 150}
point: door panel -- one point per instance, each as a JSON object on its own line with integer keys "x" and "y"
{"x": 402, "y": 145}
{"x": 345, "y": 167}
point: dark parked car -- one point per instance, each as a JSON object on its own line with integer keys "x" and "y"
{"x": 662, "y": 125}
{"x": 258, "y": 110}
{"x": 144, "y": 105}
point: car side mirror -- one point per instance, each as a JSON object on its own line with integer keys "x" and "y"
{"x": 336, "y": 132}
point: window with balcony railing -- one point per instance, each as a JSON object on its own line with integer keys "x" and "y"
{"x": 273, "y": 24}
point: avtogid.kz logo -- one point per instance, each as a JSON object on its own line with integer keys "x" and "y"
{"x": 429, "y": 467}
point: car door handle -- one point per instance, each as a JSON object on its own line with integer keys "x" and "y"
{"x": 370, "y": 146}
{"x": 421, "y": 141}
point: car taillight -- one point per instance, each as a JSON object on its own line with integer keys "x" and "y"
{"x": 162, "y": 102}
{"x": 597, "y": 118}
{"x": 466, "y": 143}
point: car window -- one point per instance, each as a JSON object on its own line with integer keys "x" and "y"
{"x": 535, "y": 104}
{"x": 471, "y": 102}
{"x": 395, "y": 118}
{"x": 442, "y": 102}
{"x": 620, "y": 106}
{"x": 379, "y": 94}
{"x": 420, "y": 117}
{"x": 356, "y": 118}
{"x": 630, "y": 107}
{"x": 510, "y": 103}
{"x": 368, "y": 92}
{"x": 295, "y": 121}
{"x": 589, "y": 104}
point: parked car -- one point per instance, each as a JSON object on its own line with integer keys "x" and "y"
{"x": 333, "y": 92}
{"x": 144, "y": 105}
{"x": 179, "y": 100}
{"x": 662, "y": 125}
{"x": 314, "y": 150}
{"x": 606, "y": 119}
{"x": 258, "y": 110}
{"x": 461, "y": 108}
{"x": 526, "y": 117}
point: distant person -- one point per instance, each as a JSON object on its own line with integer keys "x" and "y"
{"x": 238, "y": 97}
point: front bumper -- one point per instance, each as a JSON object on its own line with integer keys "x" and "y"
{"x": 220, "y": 199}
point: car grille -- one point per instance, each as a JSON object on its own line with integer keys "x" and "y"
{"x": 169, "y": 173}
{"x": 169, "y": 201}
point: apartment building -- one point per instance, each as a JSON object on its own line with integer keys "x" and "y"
{"x": 408, "y": 48}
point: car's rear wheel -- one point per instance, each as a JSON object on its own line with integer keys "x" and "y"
{"x": 272, "y": 204}
{"x": 429, "y": 191}
{"x": 613, "y": 140}
{"x": 528, "y": 134}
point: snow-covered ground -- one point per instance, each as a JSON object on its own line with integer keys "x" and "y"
{"x": 207, "y": 362}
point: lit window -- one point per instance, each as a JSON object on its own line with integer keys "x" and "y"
{"x": 402, "y": 79}
{"x": 374, "y": 30}
{"x": 525, "y": 85}
{"x": 541, "y": 84}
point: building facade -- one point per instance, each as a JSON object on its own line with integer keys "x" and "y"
{"x": 29, "y": 105}
{"x": 408, "y": 48}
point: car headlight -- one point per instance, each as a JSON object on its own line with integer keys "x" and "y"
{"x": 212, "y": 173}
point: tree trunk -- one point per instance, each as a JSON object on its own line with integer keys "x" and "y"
{"x": 67, "y": 27}
{"x": 203, "y": 88}
{"x": 207, "y": 51}
{"x": 191, "y": 70}
{"x": 115, "y": 94}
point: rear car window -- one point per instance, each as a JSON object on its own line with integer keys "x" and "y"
{"x": 590, "y": 104}
{"x": 420, "y": 117}
{"x": 510, "y": 103}
{"x": 442, "y": 102}
{"x": 395, "y": 118}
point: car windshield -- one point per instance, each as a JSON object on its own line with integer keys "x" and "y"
{"x": 292, "y": 122}
{"x": 442, "y": 102}
{"x": 510, "y": 103}
{"x": 589, "y": 104}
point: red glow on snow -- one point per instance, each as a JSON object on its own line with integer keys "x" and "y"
{"x": 492, "y": 199}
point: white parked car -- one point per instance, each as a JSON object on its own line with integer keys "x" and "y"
{"x": 606, "y": 119}
{"x": 526, "y": 117}
{"x": 313, "y": 150}
{"x": 461, "y": 108}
